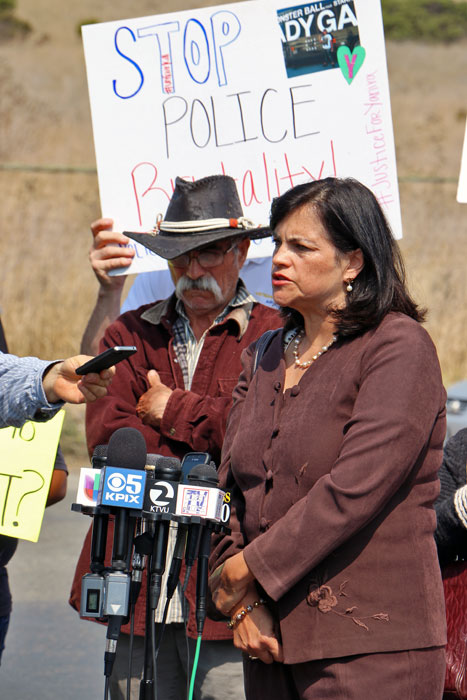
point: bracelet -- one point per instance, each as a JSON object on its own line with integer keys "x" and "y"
{"x": 243, "y": 612}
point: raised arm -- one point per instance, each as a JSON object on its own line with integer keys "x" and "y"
{"x": 108, "y": 252}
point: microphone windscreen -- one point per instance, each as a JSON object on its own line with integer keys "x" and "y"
{"x": 167, "y": 468}
{"x": 203, "y": 474}
{"x": 99, "y": 456}
{"x": 127, "y": 449}
{"x": 152, "y": 459}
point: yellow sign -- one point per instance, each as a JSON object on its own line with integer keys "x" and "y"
{"x": 27, "y": 457}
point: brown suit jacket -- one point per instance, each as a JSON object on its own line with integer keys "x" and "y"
{"x": 332, "y": 485}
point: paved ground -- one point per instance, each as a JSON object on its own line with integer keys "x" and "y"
{"x": 50, "y": 653}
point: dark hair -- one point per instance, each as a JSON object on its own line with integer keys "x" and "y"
{"x": 353, "y": 219}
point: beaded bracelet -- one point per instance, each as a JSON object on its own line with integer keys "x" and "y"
{"x": 243, "y": 612}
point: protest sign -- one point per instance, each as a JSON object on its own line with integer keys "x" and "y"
{"x": 271, "y": 94}
{"x": 462, "y": 187}
{"x": 28, "y": 456}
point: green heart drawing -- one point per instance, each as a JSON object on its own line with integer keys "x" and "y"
{"x": 350, "y": 62}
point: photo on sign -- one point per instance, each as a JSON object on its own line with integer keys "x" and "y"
{"x": 311, "y": 35}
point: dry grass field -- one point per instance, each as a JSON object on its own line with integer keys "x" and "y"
{"x": 46, "y": 287}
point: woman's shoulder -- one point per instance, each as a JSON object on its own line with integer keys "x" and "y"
{"x": 396, "y": 319}
{"x": 399, "y": 327}
{"x": 402, "y": 340}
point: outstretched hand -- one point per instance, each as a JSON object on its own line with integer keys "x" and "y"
{"x": 61, "y": 383}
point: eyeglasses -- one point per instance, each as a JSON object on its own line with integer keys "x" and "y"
{"x": 207, "y": 257}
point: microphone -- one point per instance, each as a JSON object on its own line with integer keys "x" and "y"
{"x": 159, "y": 503}
{"x": 203, "y": 503}
{"x": 200, "y": 497}
{"x": 204, "y": 476}
{"x": 93, "y": 584}
{"x": 101, "y": 520}
{"x": 122, "y": 487}
{"x": 167, "y": 472}
{"x": 122, "y": 484}
{"x": 177, "y": 559}
{"x": 163, "y": 475}
{"x": 99, "y": 456}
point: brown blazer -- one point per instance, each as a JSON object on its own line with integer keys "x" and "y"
{"x": 332, "y": 485}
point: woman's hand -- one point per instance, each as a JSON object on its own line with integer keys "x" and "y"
{"x": 256, "y": 633}
{"x": 229, "y": 583}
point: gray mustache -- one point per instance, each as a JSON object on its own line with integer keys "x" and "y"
{"x": 206, "y": 283}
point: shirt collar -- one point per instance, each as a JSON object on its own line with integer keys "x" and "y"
{"x": 238, "y": 309}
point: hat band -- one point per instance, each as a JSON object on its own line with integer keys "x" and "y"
{"x": 204, "y": 225}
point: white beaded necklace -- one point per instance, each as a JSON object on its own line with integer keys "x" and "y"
{"x": 296, "y": 343}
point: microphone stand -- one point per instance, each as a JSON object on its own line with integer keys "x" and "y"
{"x": 157, "y": 534}
{"x": 147, "y": 685}
{"x": 156, "y": 544}
{"x": 193, "y": 535}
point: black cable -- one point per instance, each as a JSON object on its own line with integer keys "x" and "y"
{"x": 154, "y": 658}
{"x": 187, "y": 641}
{"x": 185, "y": 623}
{"x": 130, "y": 651}
{"x": 162, "y": 627}
{"x": 187, "y": 576}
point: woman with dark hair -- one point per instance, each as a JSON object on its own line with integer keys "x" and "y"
{"x": 330, "y": 574}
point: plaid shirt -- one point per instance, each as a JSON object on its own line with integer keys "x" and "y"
{"x": 186, "y": 347}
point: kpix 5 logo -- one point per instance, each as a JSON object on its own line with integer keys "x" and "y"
{"x": 123, "y": 487}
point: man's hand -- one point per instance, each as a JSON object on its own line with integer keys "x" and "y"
{"x": 230, "y": 582}
{"x": 151, "y": 405}
{"x": 106, "y": 254}
{"x": 61, "y": 382}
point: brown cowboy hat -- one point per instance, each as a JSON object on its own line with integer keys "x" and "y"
{"x": 199, "y": 213}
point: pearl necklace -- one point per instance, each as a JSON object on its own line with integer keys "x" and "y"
{"x": 296, "y": 343}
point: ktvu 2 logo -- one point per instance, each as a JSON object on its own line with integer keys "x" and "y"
{"x": 124, "y": 487}
{"x": 161, "y": 496}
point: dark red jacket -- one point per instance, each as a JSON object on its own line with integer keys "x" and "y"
{"x": 193, "y": 420}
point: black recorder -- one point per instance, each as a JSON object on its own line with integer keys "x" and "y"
{"x": 107, "y": 359}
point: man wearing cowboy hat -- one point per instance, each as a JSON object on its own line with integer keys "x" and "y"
{"x": 176, "y": 389}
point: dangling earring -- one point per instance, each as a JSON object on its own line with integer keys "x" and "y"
{"x": 349, "y": 285}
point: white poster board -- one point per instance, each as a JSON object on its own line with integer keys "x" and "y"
{"x": 462, "y": 188}
{"x": 255, "y": 90}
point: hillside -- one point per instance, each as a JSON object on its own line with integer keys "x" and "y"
{"x": 45, "y": 122}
